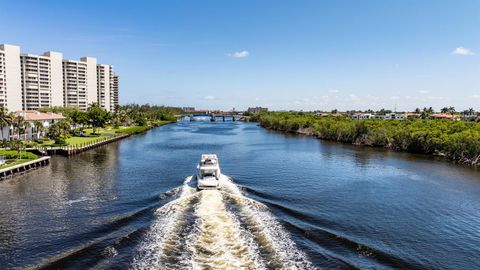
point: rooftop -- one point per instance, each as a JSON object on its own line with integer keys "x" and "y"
{"x": 37, "y": 116}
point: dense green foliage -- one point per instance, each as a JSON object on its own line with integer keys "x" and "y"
{"x": 459, "y": 141}
{"x": 97, "y": 117}
{"x": 127, "y": 115}
{"x": 133, "y": 130}
{"x": 12, "y": 154}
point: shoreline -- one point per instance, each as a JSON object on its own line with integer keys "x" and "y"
{"x": 24, "y": 167}
{"x": 69, "y": 150}
{"x": 310, "y": 133}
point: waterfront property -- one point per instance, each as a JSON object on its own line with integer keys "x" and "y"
{"x": 23, "y": 166}
{"x": 116, "y": 206}
{"x": 30, "y": 82}
{"x": 31, "y": 131}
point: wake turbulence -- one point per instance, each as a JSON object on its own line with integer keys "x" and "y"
{"x": 217, "y": 229}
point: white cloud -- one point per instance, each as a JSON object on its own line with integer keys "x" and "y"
{"x": 476, "y": 96}
{"x": 239, "y": 54}
{"x": 333, "y": 91}
{"x": 423, "y": 92}
{"x": 462, "y": 51}
{"x": 209, "y": 97}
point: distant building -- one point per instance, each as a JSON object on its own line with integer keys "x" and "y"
{"x": 359, "y": 116}
{"x": 188, "y": 109}
{"x": 395, "y": 116}
{"x": 257, "y": 109}
{"x": 444, "y": 116}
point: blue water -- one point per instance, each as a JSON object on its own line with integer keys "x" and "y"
{"x": 329, "y": 205}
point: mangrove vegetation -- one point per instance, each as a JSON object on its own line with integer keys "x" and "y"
{"x": 456, "y": 140}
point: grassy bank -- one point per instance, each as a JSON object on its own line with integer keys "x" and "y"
{"x": 458, "y": 141}
{"x": 133, "y": 130}
{"x": 101, "y": 134}
{"x": 160, "y": 123}
{"x": 12, "y": 157}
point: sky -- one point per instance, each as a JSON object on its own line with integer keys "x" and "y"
{"x": 280, "y": 54}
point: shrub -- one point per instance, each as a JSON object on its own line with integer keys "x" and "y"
{"x": 133, "y": 130}
{"x": 12, "y": 154}
{"x": 458, "y": 141}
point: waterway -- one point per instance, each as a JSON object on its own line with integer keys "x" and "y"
{"x": 293, "y": 202}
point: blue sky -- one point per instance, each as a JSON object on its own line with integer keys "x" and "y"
{"x": 279, "y": 54}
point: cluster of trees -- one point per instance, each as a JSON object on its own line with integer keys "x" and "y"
{"x": 19, "y": 127}
{"x": 76, "y": 120}
{"x": 96, "y": 117}
{"x": 457, "y": 140}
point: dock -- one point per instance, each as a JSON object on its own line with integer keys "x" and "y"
{"x": 24, "y": 167}
{"x": 75, "y": 149}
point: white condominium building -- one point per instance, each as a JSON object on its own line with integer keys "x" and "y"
{"x": 42, "y": 80}
{"x": 75, "y": 84}
{"x": 10, "y": 79}
{"x": 30, "y": 82}
{"x": 114, "y": 93}
{"x": 92, "y": 86}
{"x": 105, "y": 81}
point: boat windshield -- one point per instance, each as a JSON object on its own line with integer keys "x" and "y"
{"x": 209, "y": 162}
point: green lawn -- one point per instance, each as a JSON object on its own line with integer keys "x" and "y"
{"x": 74, "y": 141}
{"x": 82, "y": 140}
{"x": 11, "y": 156}
{"x": 14, "y": 162}
{"x": 160, "y": 122}
{"x": 104, "y": 131}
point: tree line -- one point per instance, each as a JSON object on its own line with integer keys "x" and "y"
{"x": 76, "y": 121}
{"x": 456, "y": 140}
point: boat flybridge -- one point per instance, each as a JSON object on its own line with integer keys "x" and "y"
{"x": 208, "y": 175}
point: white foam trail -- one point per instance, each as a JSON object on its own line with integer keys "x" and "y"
{"x": 220, "y": 243}
{"x": 271, "y": 235}
{"x": 217, "y": 239}
{"x": 165, "y": 227}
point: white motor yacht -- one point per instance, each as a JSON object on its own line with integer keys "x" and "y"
{"x": 209, "y": 174}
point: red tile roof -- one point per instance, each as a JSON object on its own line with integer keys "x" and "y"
{"x": 34, "y": 115}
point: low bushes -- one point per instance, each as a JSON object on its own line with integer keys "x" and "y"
{"x": 12, "y": 154}
{"x": 133, "y": 130}
{"x": 158, "y": 123}
{"x": 459, "y": 141}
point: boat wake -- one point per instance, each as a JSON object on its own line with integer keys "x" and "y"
{"x": 217, "y": 229}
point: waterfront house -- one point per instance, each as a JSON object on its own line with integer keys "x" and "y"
{"x": 444, "y": 116}
{"x": 359, "y": 116}
{"x": 31, "y": 133}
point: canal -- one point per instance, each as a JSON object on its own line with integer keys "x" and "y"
{"x": 295, "y": 203}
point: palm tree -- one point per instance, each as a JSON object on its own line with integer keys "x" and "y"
{"x": 5, "y": 119}
{"x": 39, "y": 128}
{"x": 452, "y": 111}
{"x": 26, "y": 126}
{"x": 444, "y": 110}
{"x": 18, "y": 123}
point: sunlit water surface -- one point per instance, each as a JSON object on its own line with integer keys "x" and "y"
{"x": 291, "y": 202}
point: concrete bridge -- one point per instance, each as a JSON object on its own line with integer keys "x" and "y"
{"x": 217, "y": 116}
